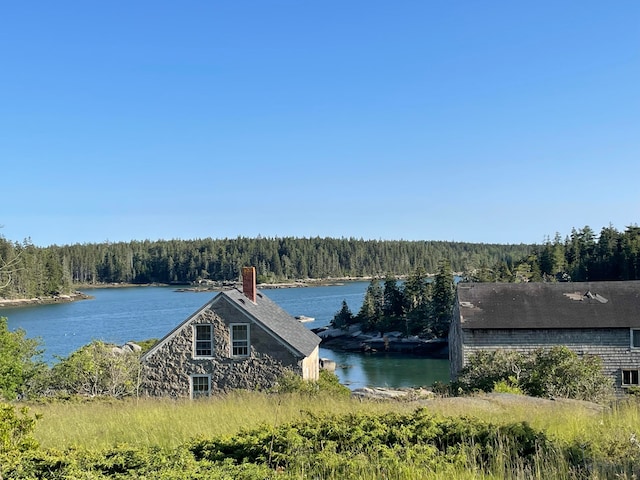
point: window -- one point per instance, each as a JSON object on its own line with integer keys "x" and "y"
{"x": 635, "y": 338}
{"x": 203, "y": 340}
{"x": 630, "y": 377}
{"x": 200, "y": 386}
{"x": 240, "y": 340}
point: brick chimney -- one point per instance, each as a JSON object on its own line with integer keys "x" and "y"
{"x": 249, "y": 283}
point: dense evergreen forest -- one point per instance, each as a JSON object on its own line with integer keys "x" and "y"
{"x": 28, "y": 271}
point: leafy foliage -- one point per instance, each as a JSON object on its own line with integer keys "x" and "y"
{"x": 19, "y": 362}
{"x": 16, "y": 429}
{"x": 554, "y": 372}
{"x": 98, "y": 369}
{"x": 328, "y": 382}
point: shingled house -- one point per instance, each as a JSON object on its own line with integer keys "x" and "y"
{"x": 238, "y": 340}
{"x": 591, "y": 318}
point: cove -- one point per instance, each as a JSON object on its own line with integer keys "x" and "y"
{"x": 119, "y": 315}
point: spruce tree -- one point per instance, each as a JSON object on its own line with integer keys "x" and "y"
{"x": 370, "y": 314}
{"x": 442, "y": 300}
{"x": 343, "y": 318}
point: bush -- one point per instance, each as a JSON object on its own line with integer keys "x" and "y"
{"x": 97, "y": 370}
{"x": 560, "y": 372}
{"x": 486, "y": 368}
{"x": 328, "y": 382}
{"x": 507, "y": 386}
{"x": 353, "y": 441}
{"x": 16, "y": 429}
{"x": 19, "y": 362}
{"x": 556, "y": 372}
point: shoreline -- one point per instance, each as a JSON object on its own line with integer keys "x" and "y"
{"x": 355, "y": 341}
{"x": 180, "y": 287}
{"x": 27, "y": 302}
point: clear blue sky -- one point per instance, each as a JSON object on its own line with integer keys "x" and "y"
{"x": 495, "y": 122}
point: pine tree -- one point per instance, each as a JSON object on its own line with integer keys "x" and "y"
{"x": 370, "y": 314}
{"x": 343, "y": 318}
{"x": 442, "y": 300}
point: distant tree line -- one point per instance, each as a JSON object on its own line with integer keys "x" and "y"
{"x": 580, "y": 257}
{"x": 27, "y": 271}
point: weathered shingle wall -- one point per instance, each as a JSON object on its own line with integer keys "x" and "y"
{"x": 612, "y": 345}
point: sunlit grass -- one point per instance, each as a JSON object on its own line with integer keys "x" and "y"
{"x": 559, "y": 419}
{"x": 610, "y": 432}
{"x": 168, "y": 423}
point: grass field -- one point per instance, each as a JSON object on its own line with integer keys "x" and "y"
{"x": 342, "y": 438}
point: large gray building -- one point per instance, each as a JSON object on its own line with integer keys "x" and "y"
{"x": 590, "y": 318}
{"x": 238, "y": 340}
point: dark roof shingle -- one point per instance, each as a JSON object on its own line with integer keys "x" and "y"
{"x": 550, "y": 305}
{"x": 274, "y": 318}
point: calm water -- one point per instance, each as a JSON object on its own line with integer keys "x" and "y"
{"x": 119, "y": 315}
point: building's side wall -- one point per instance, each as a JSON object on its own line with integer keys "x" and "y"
{"x": 612, "y": 345}
{"x": 168, "y": 371}
{"x": 311, "y": 366}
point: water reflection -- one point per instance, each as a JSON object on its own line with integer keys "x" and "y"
{"x": 387, "y": 369}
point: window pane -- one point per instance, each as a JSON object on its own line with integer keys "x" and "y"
{"x": 204, "y": 342}
{"x": 200, "y": 386}
{"x": 240, "y": 332}
{"x": 240, "y": 340}
{"x": 203, "y": 332}
{"x": 630, "y": 377}
{"x": 635, "y": 338}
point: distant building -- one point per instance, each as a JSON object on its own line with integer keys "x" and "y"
{"x": 238, "y": 340}
{"x": 591, "y": 318}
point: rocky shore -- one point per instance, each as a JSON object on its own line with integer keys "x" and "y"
{"x": 24, "y": 302}
{"x": 354, "y": 340}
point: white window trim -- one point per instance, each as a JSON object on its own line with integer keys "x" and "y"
{"x": 632, "y": 333}
{"x": 231, "y": 325}
{"x": 191, "y": 377}
{"x": 622, "y": 370}
{"x": 195, "y": 339}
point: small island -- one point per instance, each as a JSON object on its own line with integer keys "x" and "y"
{"x": 412, "y": 317}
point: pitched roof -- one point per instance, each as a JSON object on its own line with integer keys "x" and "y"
{"x": 264, "y": 312}
{"x": 549, "y": 305}
{"x": 276, "y": 320}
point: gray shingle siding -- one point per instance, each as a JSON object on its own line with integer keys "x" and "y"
{"x": 611, "y": 345}
{"x": 525, "y": 317}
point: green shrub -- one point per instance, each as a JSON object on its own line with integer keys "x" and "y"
{"x": 554, "y": 372}
{"x": 16, "y": 438}
{"x": 352, "y": 441}
{"x": 95, "y": 370}
{"x": 485, "y": 368}
{"x": 507, "y": 386}
{"x": 560, "y": 372}
{"x": 16, "y": 429}
{"x": 327, "y": 382}
{"x": 20, "y": 363}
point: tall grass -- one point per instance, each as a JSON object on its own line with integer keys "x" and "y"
{"x": 168, "y": 423}
{"x": 587, "y": 442}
